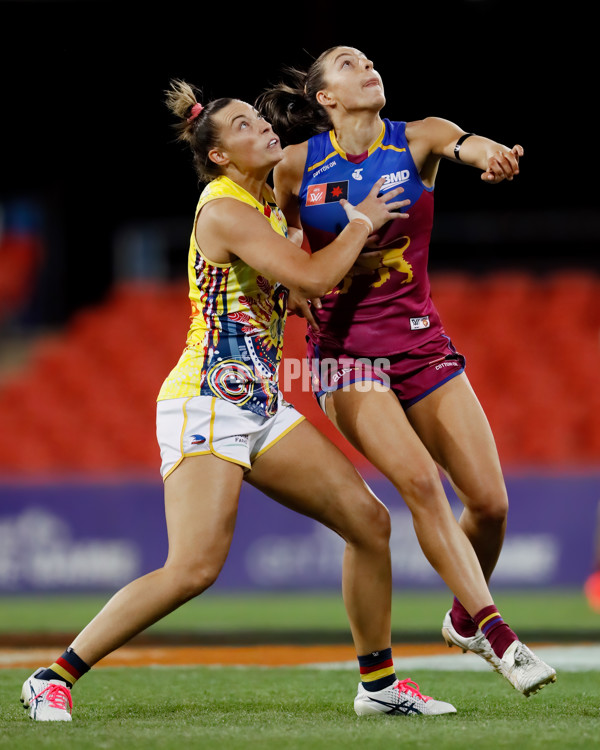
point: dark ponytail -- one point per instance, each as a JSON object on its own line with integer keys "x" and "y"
{"x": 291, "y": 107}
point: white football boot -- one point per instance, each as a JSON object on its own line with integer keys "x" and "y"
{"x": 477, "y": 643}
{"x": 400, "y": 699}
{"x": 524, "y": 670}
{"x": 46, "y": 700}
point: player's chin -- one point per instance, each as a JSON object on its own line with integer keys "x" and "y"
{"x": 377, "y": 95}
{"x": 275, "y": 154}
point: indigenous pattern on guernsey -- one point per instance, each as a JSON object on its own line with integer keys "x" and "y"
{"x": 387, "y": 306}
{"x": 235, "y": 340}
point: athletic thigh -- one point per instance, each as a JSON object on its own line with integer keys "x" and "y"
{"x": 201, "y": 502}
{"x": 452, "y": 425}
{"x": 376, "y": 425}
{"x": 307, "y": 473}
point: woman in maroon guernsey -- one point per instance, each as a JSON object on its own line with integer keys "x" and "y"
{"x": 380, "y": 323}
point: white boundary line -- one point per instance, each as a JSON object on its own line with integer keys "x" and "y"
{"x": 582, "y": 658}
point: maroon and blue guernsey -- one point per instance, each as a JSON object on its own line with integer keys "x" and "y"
{"x": 386, "y": 308}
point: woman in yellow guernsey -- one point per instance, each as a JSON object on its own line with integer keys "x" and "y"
{"x": 221, "y": 418}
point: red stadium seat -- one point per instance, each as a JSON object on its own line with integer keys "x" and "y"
{"x": 85, "y": 401}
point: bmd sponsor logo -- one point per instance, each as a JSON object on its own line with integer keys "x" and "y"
{"x": 394, "y": 179}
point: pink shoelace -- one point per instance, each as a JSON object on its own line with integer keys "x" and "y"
{"x": 58, "y": 696}
{"x": 410, "y": 687}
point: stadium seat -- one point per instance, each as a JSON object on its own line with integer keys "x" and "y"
{"x": 85, "y": 400}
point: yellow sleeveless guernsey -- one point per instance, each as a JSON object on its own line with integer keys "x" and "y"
{"x": 235, "y": 339}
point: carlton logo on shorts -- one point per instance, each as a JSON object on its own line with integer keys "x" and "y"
{"x": 327, "y": 192}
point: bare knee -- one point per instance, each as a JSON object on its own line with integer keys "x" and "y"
{"x": 369, "y": 522}
{"x": 378, "y": 521}
{"x": 488, "y": 507}
{"x": 189, "y": 580}
{"x": 422, "y": 490}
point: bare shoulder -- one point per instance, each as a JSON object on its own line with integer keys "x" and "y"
{"x": 218, "y": 213}
{"x": 225, "y": 226}
{"x": 225, "y": 221}
{"x": 291, "y": 167}
{"x": 296, "y": 153}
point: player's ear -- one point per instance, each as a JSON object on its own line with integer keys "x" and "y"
{"x": 218, "y": 157}
{"x": 324, "y": 98}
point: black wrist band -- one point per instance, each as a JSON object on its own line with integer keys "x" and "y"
{"x": 459, "y": 143}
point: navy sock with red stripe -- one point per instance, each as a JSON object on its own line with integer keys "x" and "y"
{"x": 377, "y": 670}
{"x": 68, "y": 668}
{"x": 495, "y": 629}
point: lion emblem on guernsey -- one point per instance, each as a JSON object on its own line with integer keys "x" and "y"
{"x": 392, "y": 259}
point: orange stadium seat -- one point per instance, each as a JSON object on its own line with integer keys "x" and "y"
{"x": 85, "y": 401}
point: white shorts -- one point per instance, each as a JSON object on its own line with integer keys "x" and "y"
{"x": 205, "y": 424}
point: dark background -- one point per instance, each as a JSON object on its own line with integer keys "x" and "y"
{"x": 85, "y": 133}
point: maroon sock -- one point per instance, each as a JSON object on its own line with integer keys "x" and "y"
{"x": 495, "y": 630}
{"x": 462, "y": 620}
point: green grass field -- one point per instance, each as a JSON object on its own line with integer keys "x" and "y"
{"x": 301, "y": 707}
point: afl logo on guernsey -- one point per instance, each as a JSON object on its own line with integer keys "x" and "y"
{"x": 327, "y": 192}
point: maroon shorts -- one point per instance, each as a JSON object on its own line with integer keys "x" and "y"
{"x": 411, "y": 375}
